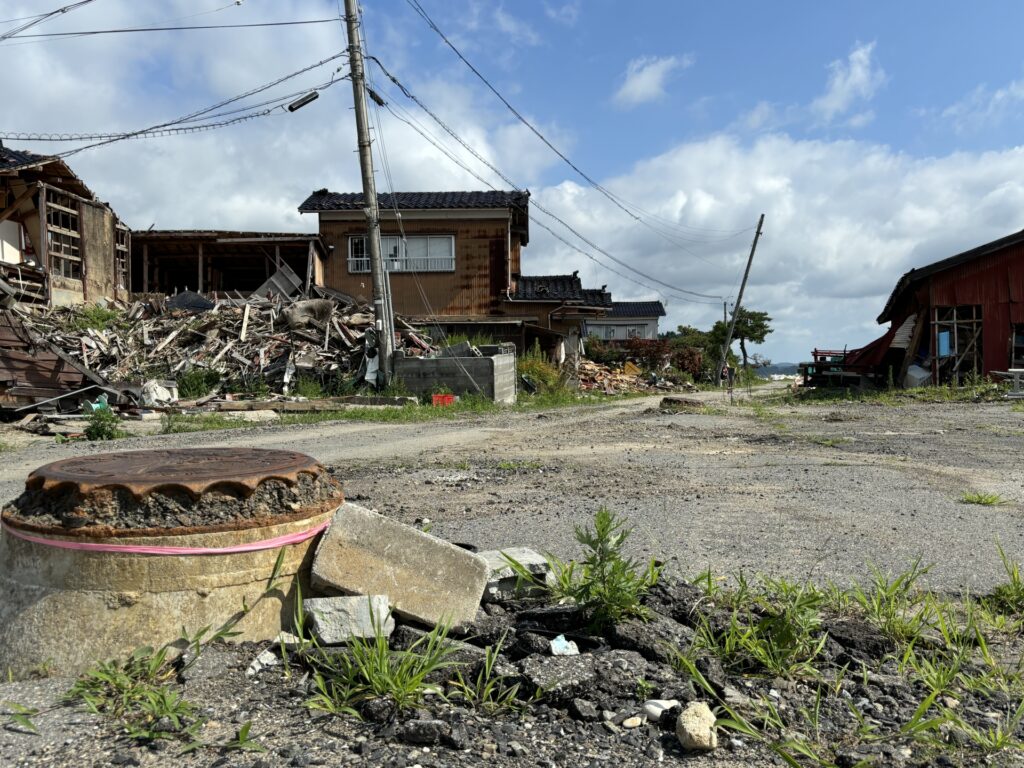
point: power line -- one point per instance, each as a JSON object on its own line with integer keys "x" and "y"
{"x": 85, "y": 33}
{"x": 42, "y": 17}
{"x": 425, "y": 133}
{"x": 615, "y": 199}
{"x": 185, "y": 118}
{"x": 450, "y": 131}
{"x": 279, "y": 102}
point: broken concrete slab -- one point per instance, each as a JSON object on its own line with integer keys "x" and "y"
{"x": 503, "y": 582}
{"x": 335, "y": 620}
{"x": 426, "y": 579}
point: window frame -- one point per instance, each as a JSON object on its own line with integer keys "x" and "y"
{"x": 394, "y": 254}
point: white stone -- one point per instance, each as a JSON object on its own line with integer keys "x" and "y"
{"x": 632, "y": 722}
{"x": 267, "y": 658}
{"x": 695, "y": 727}
{"x": 502, "y": 581}
{"x": 562, "y": 647}
{"x": 655, "y": 708}
{"x": 337, "y": 619}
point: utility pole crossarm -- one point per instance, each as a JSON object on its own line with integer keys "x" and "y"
{"x": 739, "y": 300}
{"x": 381, "y": 305}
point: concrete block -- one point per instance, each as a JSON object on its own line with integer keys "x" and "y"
{"x": 502, "y": 580}
{"x": 425, "y": 578}
{"x": 337, "y": 619}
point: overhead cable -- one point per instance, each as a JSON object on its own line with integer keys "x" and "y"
{"x": 88, "y": 32}
{"x": 41, "y": 18}
{"x": 451, "y": 132}
{"x": 615, "y": 199}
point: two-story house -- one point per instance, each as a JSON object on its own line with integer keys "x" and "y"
{"x": 454, "y": 260}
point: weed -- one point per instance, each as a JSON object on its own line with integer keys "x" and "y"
{"x": 488, "y": 691}
{"x": 830, "y": 442}
{"x": 21, "y": 715}
{"x": 308, "y": 387}
{"x": 175, "y": 423}
{"x": 607, "y": 585}
{"x": 197, "y": 383}
{"x": 644, "y": 689}
{"x": 984, "y": 499}
{"x": 1008, "y": 598}
{"x": 370, "y": 669}
{"x": 242, "y": 742}
{"x": 998, "y": 737}
{"x": 893, "y": 604}
{"x": 103, "y": 424}
{"x": 94, "y": 317}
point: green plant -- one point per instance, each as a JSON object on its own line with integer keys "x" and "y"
{"x": 93, "y": 316}
{"x": 197, "y": 383}
{"x": 488, "y": 691}
{"x": 535, "y": 366}
{"x": 998, "y": 737}
{"x": 308, "y": 387}
{"x": 370, "y": 669}
{"x": 21, "y": 715}
{"x": 1008, "y": 597}
{"x": 644, "y": 689}
{"x": 607, "y": 585}
{"x": 984, "y": 499}
{"x": 176, "y": 423}
{"x": 242, "y": 742}
{"x": 894, "y": 604}
{"x": 103, "y": 424}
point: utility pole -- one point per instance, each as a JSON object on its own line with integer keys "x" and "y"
{"x": 378, "y": 275}
{"x": 739, "y": 300}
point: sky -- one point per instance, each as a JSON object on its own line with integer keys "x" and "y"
{"x": 874, "y": 136}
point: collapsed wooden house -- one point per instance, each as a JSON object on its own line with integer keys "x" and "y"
{"x": 59, "y": 244}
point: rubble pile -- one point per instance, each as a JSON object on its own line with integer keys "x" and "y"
{"x": 250, "y": 344}
{"x": 595, "y": 377}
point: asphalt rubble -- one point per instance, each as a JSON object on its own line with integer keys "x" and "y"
{"x": 618, "y": 695}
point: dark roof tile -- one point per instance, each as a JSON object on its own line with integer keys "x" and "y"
{"x": 567, "y": 288}
{"x": 12, "y": 158}
{"x": 637, "y": 309}
{"x": 322, "y": 200}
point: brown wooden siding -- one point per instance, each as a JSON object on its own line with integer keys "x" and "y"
{"x": 475, "y": 288}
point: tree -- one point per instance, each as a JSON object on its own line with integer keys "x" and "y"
{"x": 753, "y": 327}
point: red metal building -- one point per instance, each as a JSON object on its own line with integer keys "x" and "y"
{"x": 960, "y": 316}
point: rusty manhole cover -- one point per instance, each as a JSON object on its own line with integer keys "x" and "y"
{"x": 191, "y": 469}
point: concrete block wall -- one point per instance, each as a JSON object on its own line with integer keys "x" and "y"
{"x": 494, "y": 374}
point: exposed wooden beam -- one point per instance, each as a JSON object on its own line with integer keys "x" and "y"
{"x": 13, "y": 207}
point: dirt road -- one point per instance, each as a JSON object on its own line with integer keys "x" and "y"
{"x": 794, "y": 490}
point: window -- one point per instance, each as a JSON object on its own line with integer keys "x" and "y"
{"x": 419, "y": 253}
{"x": 63, "y": 238}
{"x": 1017, "y": 347}
{"x": 609, "y": 332}
{"x": 121, "y": 254}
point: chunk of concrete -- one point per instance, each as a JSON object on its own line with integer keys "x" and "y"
{"x": 502, "y": 582}
{"x": 425, "y": 578}
{"x": 335, "y": 620}
{"x": 695, "y": 727}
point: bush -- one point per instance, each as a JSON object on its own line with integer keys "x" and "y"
{"x": 103, "y": 424}
{"x": 534, "y": 365}
{"x": 605, "y": 584}
{"x": 93, "y": 316}
{"x": 197, "y": 383}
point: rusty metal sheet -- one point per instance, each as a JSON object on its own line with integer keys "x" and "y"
{"x": 194, "y": 470}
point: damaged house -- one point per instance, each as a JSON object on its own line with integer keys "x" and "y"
{"x": 59, "y": 244}
{"x": 955, "y": 318}
{"x": 454, "y": 260}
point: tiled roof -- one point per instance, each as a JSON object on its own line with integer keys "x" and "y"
{"x": 322, "y": 200}
{"x": 12, "y": 158}
{"x": 637, "y": 309}
{"x": 566, "y": 288}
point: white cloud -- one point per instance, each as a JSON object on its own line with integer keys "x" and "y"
{"x": 985, "y": 108}
{"x": 566, "y": 13}
{"x": 646, "y": 77}
{"x": 850, "y": 82}
{"x": 519, "y": 32}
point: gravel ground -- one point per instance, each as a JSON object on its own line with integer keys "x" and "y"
{"x": 806, "y": 491}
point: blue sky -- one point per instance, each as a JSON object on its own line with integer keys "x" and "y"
{"x": 875, "y": 136}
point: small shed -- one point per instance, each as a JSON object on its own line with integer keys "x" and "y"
{"x": 960, "y": 316}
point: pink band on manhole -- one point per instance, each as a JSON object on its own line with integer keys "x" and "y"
{"x": 135, "y": 549}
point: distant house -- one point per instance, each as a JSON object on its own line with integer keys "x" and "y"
{"x": 454, "y": 260}
{"x": 59, "y": 244}
{"x": 960, "y": 316}
{"x": 628, "y": 320}
{"x": 219, "y": 261}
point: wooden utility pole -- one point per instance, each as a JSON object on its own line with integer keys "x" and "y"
{"x": 378, "y": 275}
{"x": 739, "y": 301}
